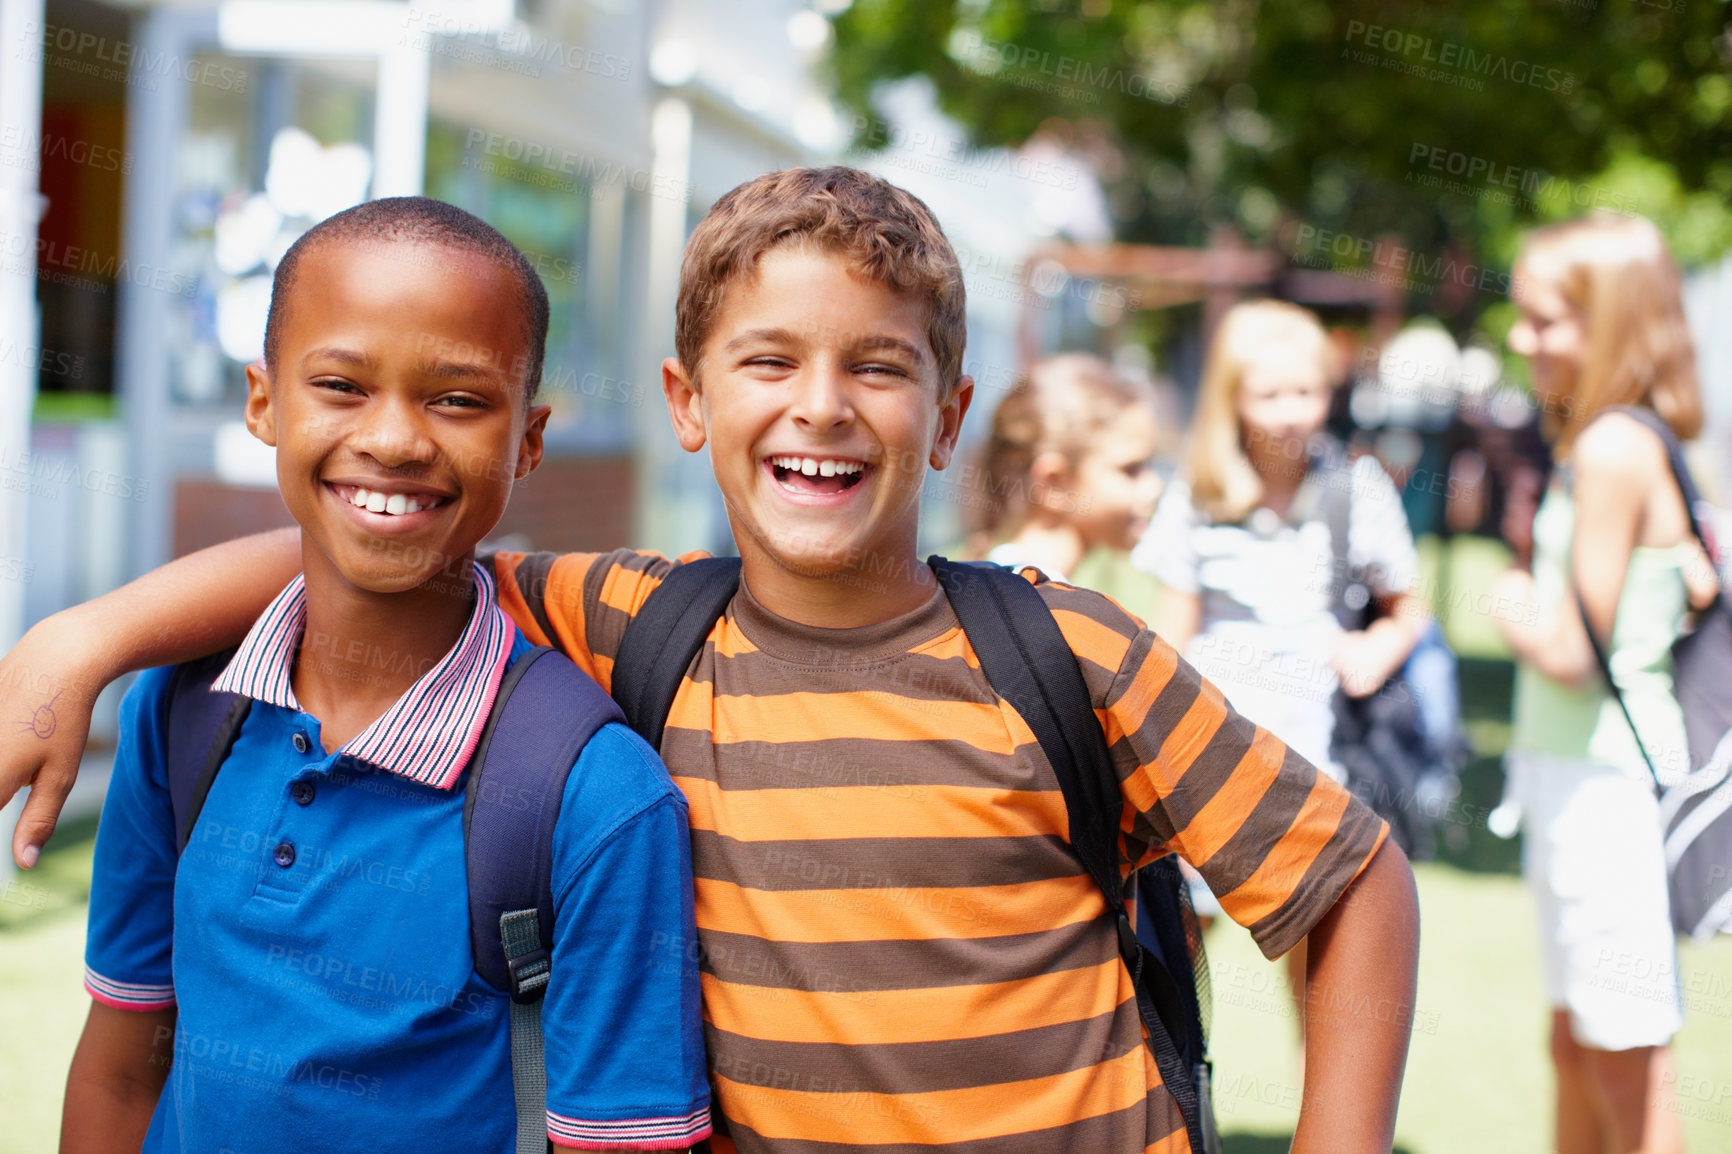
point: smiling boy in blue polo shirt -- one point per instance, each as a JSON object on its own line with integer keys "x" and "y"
{"x": 302, "y": 977}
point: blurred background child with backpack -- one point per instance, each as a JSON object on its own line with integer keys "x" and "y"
{"x": 1242, "y": 547}
{"x": 1602, "y": 325}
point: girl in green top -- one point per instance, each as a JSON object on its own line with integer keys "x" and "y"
{"x": 1602, "y": 324}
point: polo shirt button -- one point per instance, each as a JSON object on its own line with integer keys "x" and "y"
{"x": 301, "y": 743}
{"x": 285, "y": 855}
{"x": 302, "y": 792}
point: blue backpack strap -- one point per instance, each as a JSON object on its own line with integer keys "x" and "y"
{"x": 201, "y": 730}
{"x": 545, "y": 711}
{"x": 1029, "y": 663}
{"x": 668, "y": 630}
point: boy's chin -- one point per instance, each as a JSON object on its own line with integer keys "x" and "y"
{"x": 397, "y": 580}
{"x": 816, "y": 558}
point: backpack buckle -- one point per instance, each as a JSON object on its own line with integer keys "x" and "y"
{"x": 529, "y": 974}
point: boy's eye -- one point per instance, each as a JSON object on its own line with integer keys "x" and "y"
{"x": 462, "y": 401}
{"x": 878, "y": 368}
{"x": 336, "y": 385}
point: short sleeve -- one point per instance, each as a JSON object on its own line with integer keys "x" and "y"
{"x": 1277, "y": 841}
{"x": 129, "y": 952}
{"x": 1168, "y": 550}
{"x": 621, "y": 1019}
{"x": 1379, "y": 541}
{"x": 580, "y": 603}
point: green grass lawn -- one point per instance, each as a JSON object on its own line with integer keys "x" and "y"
{"x": 1478, "y": 1078}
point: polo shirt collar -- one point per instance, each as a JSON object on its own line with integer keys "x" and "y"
{"x": 430, "y": 733}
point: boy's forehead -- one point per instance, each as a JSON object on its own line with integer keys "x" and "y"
{"x": 820, "y": 298}
{"x": 460, "y": 308}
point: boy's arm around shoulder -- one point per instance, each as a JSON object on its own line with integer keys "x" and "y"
{"x": 579, "y": 603}
{"x": 623, "y": 1029}
{"x": 49, "y": 681}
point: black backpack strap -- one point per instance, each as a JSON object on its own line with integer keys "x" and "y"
{"x": 668, "y": 630}
{"x": 543, "y": 715}
{"x": 1327, "y": 494}
{"x": 1029, "y": 663}
{"x": 201, "y": 728}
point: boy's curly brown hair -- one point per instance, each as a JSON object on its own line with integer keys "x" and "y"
{"x": 885, "y": 234}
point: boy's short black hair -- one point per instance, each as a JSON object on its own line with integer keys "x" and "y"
{"x": 419, "y": 220}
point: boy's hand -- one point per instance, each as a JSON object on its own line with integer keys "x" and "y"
{"x": 196, "y": 605}
{"x": 46, "y": 696}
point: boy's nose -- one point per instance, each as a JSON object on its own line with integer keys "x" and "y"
{"x": 821, "y": 398}
{"x": 393, "y": 436}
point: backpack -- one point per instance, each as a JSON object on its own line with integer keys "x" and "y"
{"x": 544, "y": 713}
{"x": 1696, "y": 809}
{"x": 1027, "y": 662}
{"x": 1402, "y": 747}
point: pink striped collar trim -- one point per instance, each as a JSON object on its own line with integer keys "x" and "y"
{"x": 430, "y": 732}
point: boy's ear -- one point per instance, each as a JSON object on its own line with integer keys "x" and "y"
{"x": 530, "y": 449}
{"x": 950, "y": 416}
{"x": 685, "y": 405}
{"x": 261, "y": 415}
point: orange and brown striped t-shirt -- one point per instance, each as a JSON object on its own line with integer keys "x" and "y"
{"x": 898, "y": 948}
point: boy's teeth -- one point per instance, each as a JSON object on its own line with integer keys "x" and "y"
{"x": 391, "y": 504}
{"x": 814, "y": 467}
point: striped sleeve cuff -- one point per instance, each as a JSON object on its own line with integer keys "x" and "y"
{"x": 629, "y": 1133}
{"x": 127, "y": 995}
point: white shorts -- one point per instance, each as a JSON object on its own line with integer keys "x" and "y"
{"x": 1593, "y": 856}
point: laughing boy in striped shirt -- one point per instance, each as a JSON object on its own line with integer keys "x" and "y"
{"x": 301, "y": 977}
{"x": 900, "y": 952}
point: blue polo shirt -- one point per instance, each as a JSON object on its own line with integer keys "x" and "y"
{"x": 315, "y": 933}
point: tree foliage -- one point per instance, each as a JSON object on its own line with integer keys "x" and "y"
{"x": 1448, "y": 126}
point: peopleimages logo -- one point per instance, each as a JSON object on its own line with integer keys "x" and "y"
{"x": 1486, "y": 178}
{"x": 1446, "y": 61}
{"x": 86, "y": 53}
{"x": 1385, "y": 262}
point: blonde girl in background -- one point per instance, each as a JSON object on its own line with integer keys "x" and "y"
{"x": 1602, "y": 324}
{"x": 1243, "y": 551}
{"x": 1068, "y": 474}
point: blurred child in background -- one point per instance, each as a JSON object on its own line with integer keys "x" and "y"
{"x": 1602, "y": 324}
{"x": 1068, "y": 472}
{"x": 1243, "y": 551}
